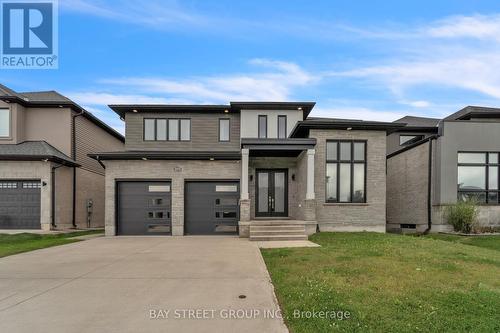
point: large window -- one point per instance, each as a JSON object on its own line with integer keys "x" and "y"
{"x": 167, "y": 129}
{"x": 281, "y": 127}
{"x": 345, "y": 171}
{"x": 478, "y": 177}
{"x": 224, "y": 129}
{"x": 262, "y": 127}
{"x": 4, "y": 123}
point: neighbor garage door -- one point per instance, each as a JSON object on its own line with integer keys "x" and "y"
{"x": 211, "y": 207}
{"x": 20, "y": 204}
{"x": 144, "y": 208}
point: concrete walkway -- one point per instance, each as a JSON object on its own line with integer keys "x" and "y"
{"x": 117, "y": 285}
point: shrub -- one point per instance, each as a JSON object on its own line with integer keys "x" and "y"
{"x": 462, "y": 216}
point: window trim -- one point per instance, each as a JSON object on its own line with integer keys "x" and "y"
{"x": 9, "y": 134}
{"x": 155, "y": 129}
{"x": 278, "y": 126}
{"x": 352, "y": 162}
{"x": 180, "y": 128}
{"x": 229, "y": 130}
{"x": 264, "y": 116}
{"x": 486, "y": 166}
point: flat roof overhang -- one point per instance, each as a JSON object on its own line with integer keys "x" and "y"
{"x": 290, "y": 147}
{"x": 167, "y": 155}
{"x": 42, "y": 158}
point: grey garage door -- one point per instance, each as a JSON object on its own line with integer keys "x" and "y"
{"x": 20, "y": 204}
{"x": 211, "y": 208}
{"x": 144, "y": 208}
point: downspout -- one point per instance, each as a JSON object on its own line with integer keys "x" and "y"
{"x": 73, "y": 153}
{"x": 429, "y": 190}
{"x": 53, "y": 194}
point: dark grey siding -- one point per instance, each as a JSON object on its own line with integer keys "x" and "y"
{"x": 204, "y": 132}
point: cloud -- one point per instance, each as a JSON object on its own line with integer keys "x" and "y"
{"x": 475, "y": 26}
{"x": 360, "y": 113}
{"x": 416, "y": 104}
{"x": 276, "y": 83}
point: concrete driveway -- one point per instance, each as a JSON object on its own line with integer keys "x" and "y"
{"x": 117, "y": 284}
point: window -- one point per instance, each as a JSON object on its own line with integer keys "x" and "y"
{"x": 345, "y": 171}
{"x": 173, "y": 129}
{"x": 149, "y": 129}
{"x": 4, "y": 123}
{"x": 185, "y": 129}
{"x": 8, "y": 185}
{"x": 262, "y": 127}
{"x": 32, "y": 185}
{"x": 405, "y": 140}
{"x": 167, "y": 129}
{"x": 282, "y": 127}
{"x": 478, "y": 177}
{"x": 223, "y": 129}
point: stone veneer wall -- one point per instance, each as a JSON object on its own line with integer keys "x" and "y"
{"x": 177, "y": 171}
{"x": 369, "y": 216}
{"x": 407, "y": 188}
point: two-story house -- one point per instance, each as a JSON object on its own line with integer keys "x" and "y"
{"x": 47, "y": 181}
{"x": 264, "y": 170}
{"x": 454, "y": 158}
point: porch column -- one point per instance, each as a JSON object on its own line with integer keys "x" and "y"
{"x": 310, "y": 174}
{"x": 244, "y": 174}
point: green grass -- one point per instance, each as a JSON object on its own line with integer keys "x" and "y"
{"x": 388, "y": 283}
{"x": 489, "y": 242}
{"x": 18, "y": 243}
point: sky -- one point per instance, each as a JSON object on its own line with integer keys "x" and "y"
{"x": 371, "y": 60}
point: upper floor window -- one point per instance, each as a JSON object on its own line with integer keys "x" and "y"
{"x": 4, "y": 123}
{"x": 478, "y": 177}
{"x": 167, "y": 129}
{"x": 345, "y": 171}
{"x": 282, "y": 127}
{"x": 262, "y": 127}
{"x": 405, "y": 140}
{"x": 224, "y": 129}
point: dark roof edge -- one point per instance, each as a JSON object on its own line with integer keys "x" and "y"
{"x": 413, "y": 145}
{"x": 51, "y": 158}
{"x": 155, "y": 155}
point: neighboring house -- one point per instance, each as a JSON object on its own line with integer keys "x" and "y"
{"x": 47, "y": 181}
{"x": 260, "y": 169}
{"x": 456, "y": 158}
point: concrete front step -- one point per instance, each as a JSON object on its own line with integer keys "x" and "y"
{"x": 277, "y": 227}
{"x": 276, "y": 232}
{"x": 277, "y": 222}
{"x": 278, "y": 237}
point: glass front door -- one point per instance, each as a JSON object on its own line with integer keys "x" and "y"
{"x": 271, "y": 193}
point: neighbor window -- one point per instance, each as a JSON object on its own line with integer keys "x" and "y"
{"x": 281, "y": 127}
{"x": 478, "y": 177}
{"x": 345, "y": 171}
{"x": 262, "y": 127}
{"x": 405, "y": 140}
{"x": 223, "y": 129}
{"x": 4, "y": 123}
{"x": 167, "y": 129}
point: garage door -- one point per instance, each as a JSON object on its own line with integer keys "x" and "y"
{"x": 20, "y": 204}
{"x": 144, "y": 208}
{"x": 211, "y": 208}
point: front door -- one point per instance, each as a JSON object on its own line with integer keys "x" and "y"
{"x": 271, "y": 193}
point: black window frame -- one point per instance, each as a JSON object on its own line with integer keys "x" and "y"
{"x": 278, "y": 126}
{"x": 263, "y": 116}
{"x": 416, "y": 138}
{"x": 228, "y": 128}
{"x": 155, "y": 129}
{"x": 486, "y": 166}
{"x": 352, "y": 162}
{"x": 9, "y": 127}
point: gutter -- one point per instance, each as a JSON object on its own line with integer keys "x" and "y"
{"x": 429, "y": 189}
{"x": 53, "y": 194}
{"x": 73, "y": 153}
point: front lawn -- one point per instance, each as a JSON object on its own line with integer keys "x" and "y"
{"x": 489, "y": 242}
{"x": 17, "y": 243}
{"x": 387, "y": 283}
